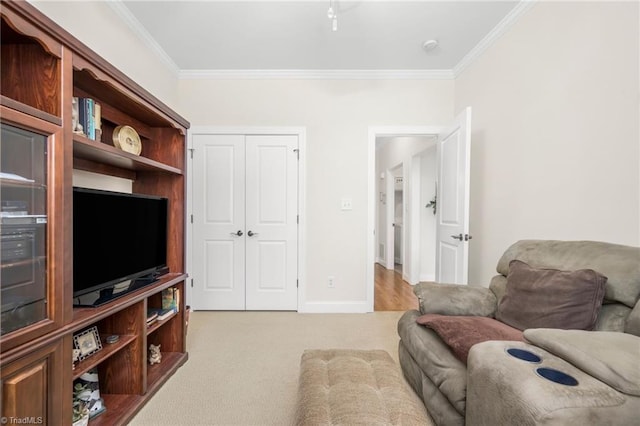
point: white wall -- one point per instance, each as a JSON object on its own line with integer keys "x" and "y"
{"x": 337, "y": 115}
{"x": 101, "y": 29}
{"x": 555, "y": 140}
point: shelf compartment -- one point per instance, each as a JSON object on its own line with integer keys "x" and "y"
{"x": 120, "y": 409}
{"x": 29, "y": 74}
{"x": 99, "y": 152}
{"x": 156, "y": 325}
{"x": 157, "y": 374}
{"x": 108, "y": 349}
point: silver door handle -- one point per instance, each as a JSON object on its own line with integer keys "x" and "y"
{"x": 251, "y": 233}
{"x": 457, "y": 237}
{"x": 238, "y": 234}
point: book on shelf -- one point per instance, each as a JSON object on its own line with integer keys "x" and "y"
{"x": 152, "y": 317}
{"x": 89, "y": 118}
{"x": 171, "y": 299}
{"x": 161, "y": 314}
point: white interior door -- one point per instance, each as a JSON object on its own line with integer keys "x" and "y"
{"x": 271, "y": 218}
{"x": 219, "y": 222}
{"x": 245, "y": 222}
{"x": 452, "y": 231}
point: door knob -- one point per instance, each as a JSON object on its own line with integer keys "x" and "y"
{"x": 239, "y": 233}
{"x": 251, "y": 233}
{"x": 457, "y": 237}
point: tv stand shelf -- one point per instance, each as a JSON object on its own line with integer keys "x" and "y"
{"x": 102, "y": 153}
{"x": 43, "y": 69}
{"x": 83, "y": 317}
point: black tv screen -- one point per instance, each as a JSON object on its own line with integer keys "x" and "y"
{"x": 116, "y": 237}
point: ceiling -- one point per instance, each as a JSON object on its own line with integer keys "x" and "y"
{"x": 297, "y": 35}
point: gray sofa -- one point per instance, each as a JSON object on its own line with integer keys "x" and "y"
{"x": 494, "y": 388}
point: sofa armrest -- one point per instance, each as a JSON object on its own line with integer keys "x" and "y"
{"x": 609, "y": 356}
{"x": 454, "y": 299}
{"x": 503, "y": 389}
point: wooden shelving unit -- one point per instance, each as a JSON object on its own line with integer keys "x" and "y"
{"x": 43, "y": 67}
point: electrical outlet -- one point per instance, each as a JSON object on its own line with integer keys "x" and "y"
{"x": 331, "y": 283}
{"x": 346, "y": 204}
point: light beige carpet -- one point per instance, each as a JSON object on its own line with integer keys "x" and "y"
{"x": 243, "y": 367}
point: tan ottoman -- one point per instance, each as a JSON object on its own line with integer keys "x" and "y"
{"x": 350, "y": 387}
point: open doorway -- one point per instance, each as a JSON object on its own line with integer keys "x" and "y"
{"x": 405, "y": 226}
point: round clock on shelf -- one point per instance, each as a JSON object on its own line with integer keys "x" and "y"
{"x": 127, "y": 139}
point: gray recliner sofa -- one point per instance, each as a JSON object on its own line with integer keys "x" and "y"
{"x": 494, "y": 388}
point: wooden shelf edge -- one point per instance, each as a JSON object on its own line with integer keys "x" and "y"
{"x": 106, "y": 352}
{"x": 88, "y": 149}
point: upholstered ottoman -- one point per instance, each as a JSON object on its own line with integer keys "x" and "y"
{"x": 349, "y": 387}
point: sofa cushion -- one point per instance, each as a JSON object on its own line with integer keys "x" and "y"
{"x": 460, "y": 333}
{"x": 608, "y": 356}
{"x": 549, "y": 298}
{"x": 621, "y": 264}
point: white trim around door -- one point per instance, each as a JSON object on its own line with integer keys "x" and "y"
{"x": 300, "y": 132}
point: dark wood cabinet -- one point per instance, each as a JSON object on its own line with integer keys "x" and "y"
{"x": 42, "y": 69}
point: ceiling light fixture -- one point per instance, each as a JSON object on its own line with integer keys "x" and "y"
{"x": 333, "y": 16}
{"x": 429, "y": 45}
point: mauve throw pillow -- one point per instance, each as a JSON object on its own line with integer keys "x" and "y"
{"x": 460, "y": 333}
{"x": 549, "y": 298}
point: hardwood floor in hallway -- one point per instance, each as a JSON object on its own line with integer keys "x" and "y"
{"x": 391, "y": 292}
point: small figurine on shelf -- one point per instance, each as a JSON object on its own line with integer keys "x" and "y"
{"x": 76, "y": 356}
{"x": 154, "y": 354}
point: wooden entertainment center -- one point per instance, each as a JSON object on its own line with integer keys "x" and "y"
{"x": 42, "y": 69}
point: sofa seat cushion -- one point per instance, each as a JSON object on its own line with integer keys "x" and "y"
{"x": 550, "y": 298}
{"x": 460, "y": 333}
{"x": 608, "y": 356}
{"x": 435, "y": 359}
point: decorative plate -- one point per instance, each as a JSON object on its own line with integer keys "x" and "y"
{"x": 127, "y": 139}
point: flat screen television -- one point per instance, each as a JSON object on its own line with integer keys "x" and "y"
{"x": 119, "y": 243}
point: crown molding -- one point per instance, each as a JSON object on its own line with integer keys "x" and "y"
{"x": 317, "y": 74}
{"x": 511, "y": 18}
{"x": 138, "y": 29}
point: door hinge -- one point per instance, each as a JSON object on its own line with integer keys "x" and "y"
{"x": 191, "y": 282}
{"x": 298, "y": 219}
{"x": 191, "y": 152}
{"x": 191, "y": 218}
{"x": 297, "y": 283}
{"x": 297, "y": 151}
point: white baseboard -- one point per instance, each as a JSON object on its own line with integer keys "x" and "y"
{"x": 344, "y": 307}
{"x": 428, "y": 277}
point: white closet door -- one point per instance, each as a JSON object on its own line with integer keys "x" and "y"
{"x": 219, "y": 218}
{"x": 271, "y": 219}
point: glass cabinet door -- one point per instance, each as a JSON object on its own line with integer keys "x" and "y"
{"x": 23, "y": 228}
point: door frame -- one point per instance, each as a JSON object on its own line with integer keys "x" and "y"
{"x": 301, "y": 133}
{"x": 376, "y": 132}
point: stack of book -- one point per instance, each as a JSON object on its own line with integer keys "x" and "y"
{"x": 158, "y": 314}
{"x": 89, "y": 118}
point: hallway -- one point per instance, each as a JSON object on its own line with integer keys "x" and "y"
{"x": 391, "y": 292}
